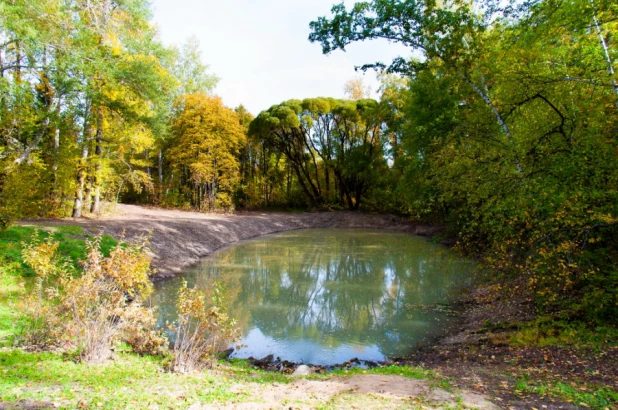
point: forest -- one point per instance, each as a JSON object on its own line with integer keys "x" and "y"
{"x": 504, "y": 131}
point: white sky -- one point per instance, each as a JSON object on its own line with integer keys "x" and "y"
{"x": 260, "y": 52}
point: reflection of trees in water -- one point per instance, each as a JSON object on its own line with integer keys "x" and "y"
{"x": 344, "y": 288}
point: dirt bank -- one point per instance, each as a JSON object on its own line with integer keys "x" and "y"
{"x": 179, "y": 238}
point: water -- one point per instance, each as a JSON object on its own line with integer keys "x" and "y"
{"x": 324, "y": 296}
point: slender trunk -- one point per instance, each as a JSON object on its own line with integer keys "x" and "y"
{"x": 499, "y": 118}
{"x": 304, "y": 187}
{"x": 288, "y": 185}
{"x": 96, "y": 202}
{"x": 88, "y": 193}
{"x": 81, "y": 168}
{"x": 326, "y": 183}
{"x": 211, "y": 195}
{"x": 55, "y": 160}
{"x": 359, "y": 194}
{"x": 81, "y": 180}
{"x": 608, "y": 58}
{"x": 18, "y": 62}
{"x": 160, "y": 167}
{"x": 25, "y": 156}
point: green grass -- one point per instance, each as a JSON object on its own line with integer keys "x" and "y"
{"x": 14, "y": 273}
{"x": 129, "y": 381}
{"x": 243, "y": 370}
{"x": 10, "y": 291}
{"x": 582, "y": 395}
{"x": 132, "y": 381}
{"x": 548, "y": 332}
{"x": 403, "y": 371}
{"x": 71, "y": 240}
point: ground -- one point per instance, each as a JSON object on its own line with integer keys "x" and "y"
{"x": 478, "y": 367}
{"x": 179, "y": 239}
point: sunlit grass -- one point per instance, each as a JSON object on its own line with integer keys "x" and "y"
{"x": 129, "y": 381}
{"x": 582, "y": 395}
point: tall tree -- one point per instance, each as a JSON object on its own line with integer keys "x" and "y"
{"x": 207, "y": 138}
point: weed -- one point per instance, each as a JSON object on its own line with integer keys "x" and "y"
{"x": 201, "y": 330}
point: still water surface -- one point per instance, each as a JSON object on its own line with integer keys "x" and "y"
{"x": 324, "y": 296}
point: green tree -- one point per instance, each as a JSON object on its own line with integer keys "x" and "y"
{"x": 507, "y": 133}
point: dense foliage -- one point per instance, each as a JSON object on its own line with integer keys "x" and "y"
{"x": 510, "y": 134}
{"x": 334, "y": 147}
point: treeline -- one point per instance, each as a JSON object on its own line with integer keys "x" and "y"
{"x": 505, "y": 130}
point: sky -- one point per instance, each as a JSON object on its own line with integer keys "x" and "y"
{"x": 260, "y": 52}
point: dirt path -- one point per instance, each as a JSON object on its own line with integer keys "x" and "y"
{"x": 179, "y": 239}
{"x": 356, "y": 392}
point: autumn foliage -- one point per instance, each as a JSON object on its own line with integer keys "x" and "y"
{"x": 90, "y": 311}
{"x": 202, "y": 330}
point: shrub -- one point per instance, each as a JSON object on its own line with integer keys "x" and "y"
{"x": 95, "y": 309}
{"x": 41, "y": 326}
{"x": 201, "y": 331}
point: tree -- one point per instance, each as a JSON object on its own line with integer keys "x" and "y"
{"x": 507, "y": 133}
{"x": 321, "y": 137}
{"x": 190, "y": 71}
{"x": 356, "y": 89}
{"x": 207, "y": 138}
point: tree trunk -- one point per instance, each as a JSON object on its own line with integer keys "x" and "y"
{"x": 160, "y": 167}
{"x": 81, "y": 169}
{"x": 608, "y": 58}
{"x": 81, "y": 180}
{"x": 88, "y": 193}
{"x": 96, "y": 202}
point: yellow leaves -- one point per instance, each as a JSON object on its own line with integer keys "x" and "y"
{"x": 191, "y": 302}
{"x": 207, "y": 139}
{"x": 82, "y": 306}
{"x": 41, "y": 257}
{"x": 129, "y": 267}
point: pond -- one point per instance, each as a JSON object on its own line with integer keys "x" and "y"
{"x": 325, "y": 296}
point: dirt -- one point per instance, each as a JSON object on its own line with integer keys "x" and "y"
{"x": 480, "y": 357}
{"x": 179, "y": 239}
{"x": 360, "y": 391}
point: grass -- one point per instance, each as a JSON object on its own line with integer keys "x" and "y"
{"x": 130, "y": 381}
{"x": 10, "y": 291}
{"x": 546, "y": 331}
{"x": 71, "y": 239}
{"x": 403, "y": 371}
{"x": 14, "y": 273}
{"x": 581, "y": 395}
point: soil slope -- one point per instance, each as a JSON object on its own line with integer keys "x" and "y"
{"x": 179, "y": 238}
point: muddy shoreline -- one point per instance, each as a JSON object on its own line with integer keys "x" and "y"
{"x": 179, "y": 239}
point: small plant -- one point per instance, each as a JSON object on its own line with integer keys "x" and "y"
{"x": 201, "y": 331}
{"x": 42, "y": 324}
{"x": 96, "y": 309}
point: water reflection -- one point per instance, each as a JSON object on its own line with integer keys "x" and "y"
{"x": 326, "y": 296}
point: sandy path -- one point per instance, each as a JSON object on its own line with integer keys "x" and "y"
{"x": 179, "y": 239}
{"x": 356, "y": 392}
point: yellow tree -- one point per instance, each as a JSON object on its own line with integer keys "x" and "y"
{"x": 207, "y": 138}
{"x": 356, "y": 89}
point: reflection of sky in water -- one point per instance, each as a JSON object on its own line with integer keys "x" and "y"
{"x": 326, "y": 296}
{"x": 304, "y": 350}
